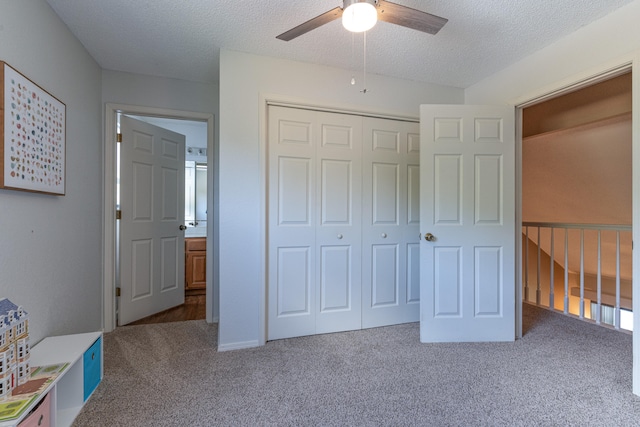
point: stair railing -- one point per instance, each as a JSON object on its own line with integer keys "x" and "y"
{"x": 550, "y": 230}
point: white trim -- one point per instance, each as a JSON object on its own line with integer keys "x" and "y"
{"x": 579, "y": 84}
{"x": 344, "y": 108}
{"x": 576, "y": 81}
{"x": 212, "y": 297}
{"x": 241, "y": 345}
{"x": 109, "y": 222}
{"x": 518, "y": 222}
{"x": 264, "y": 242}
{"x": 635, "y": 255}
{"x": 375, "y": 115}
{"x": 109, "y": 191}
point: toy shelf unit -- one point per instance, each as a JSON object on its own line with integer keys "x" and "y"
{"x": 75, "y": 362}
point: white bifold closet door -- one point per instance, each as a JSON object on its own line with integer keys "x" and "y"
{"x": 390, "y": 222}
{"x": 321, "y": 182}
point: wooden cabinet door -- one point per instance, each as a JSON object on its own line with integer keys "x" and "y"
{"x": 196, "y": 263}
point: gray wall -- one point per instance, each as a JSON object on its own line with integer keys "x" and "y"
{"x": 159, "y": 92}
{"x": 50, "y": 246}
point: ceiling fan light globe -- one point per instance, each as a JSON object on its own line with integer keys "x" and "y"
{"x": 359, "y": 17}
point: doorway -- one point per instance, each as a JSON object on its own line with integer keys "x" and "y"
{"x": 577, "y": 200}
{"x": 195, "y": 221}
{"x": 110, "y": 241}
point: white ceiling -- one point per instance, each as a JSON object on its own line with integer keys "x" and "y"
{"x": 182, "y": 39}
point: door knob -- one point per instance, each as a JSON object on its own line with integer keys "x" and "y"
{"x": 429, "y": 237}
{"x": 182, "y": 227}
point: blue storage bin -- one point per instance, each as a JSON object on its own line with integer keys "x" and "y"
{"x": 92, "y": 363}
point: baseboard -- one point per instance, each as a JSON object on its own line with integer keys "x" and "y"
{"x": 238, "y": 345}
{"x": 194, "y": 292}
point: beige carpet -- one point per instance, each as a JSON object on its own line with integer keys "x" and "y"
{"x": 563, "y": 372}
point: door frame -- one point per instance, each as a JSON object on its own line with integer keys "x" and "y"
{"x": 572, "y": 83}
{"x": 109, "y": 203}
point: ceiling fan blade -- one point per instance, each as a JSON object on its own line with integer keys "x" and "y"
{"x": 311, "y": 24}
{"x": 410, "y": 18}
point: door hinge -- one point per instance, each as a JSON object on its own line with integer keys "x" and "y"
{"x": 119, "y": 137}
{"x": 117, "y": 291}
{"x": 118, "y": 214}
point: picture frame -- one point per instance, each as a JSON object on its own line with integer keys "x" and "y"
{"x": 32, "y": 136}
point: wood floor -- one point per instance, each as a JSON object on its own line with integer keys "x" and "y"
{"x": 192, "y": 309}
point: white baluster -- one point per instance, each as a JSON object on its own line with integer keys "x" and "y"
{"x": 538, "y": 290}
{"x": 582, "y": 273}
{"x": 599, "y": 291}
{"x": 566, "y": 271}
{"x": 617, "y": 312}
{"x": 551, "y": 274}
{"x": 526, "y": 264}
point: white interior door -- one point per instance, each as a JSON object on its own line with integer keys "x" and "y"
{"x": 152, "y": 206}
{"x": 467, "y": 278}
{"x": 314, "y": 222}
{"x": 391, "y": 218}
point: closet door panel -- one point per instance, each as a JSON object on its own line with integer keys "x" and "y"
{"x": 384, "y": 277}
{"x": 413, "y": 273}
{"x": 291, "y": 221}
{"x": 337, "y": 192}
{"x": 314, "y": 260}
{"x": 335, "y": 279}
{"x": 385, "y": 188}
{"x": 391, "y": 214}
{"x": 294, "y": 281}
{"x": 338, "y": 234}
{"x": 294, "y": 191}
{"x": 411, "y": 231}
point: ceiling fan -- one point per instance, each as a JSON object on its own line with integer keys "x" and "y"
{"x": 370, "y": 11}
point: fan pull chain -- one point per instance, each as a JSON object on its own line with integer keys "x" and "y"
{"x": 353, "y": 57}
{"x": 364, "y": 59}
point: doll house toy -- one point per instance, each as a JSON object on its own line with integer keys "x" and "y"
{"x": 14, "y": 347}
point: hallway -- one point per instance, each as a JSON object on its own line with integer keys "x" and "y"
{"x": 192, "y": 309}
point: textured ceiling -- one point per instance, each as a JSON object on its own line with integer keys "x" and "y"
{"x": 182, "y": 39}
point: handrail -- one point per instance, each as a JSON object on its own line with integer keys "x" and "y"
{"x": 620, "y": 227}
{"x": 549, "y": 247}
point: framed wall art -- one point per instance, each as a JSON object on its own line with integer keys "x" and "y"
{"x": 32, "y": 135}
